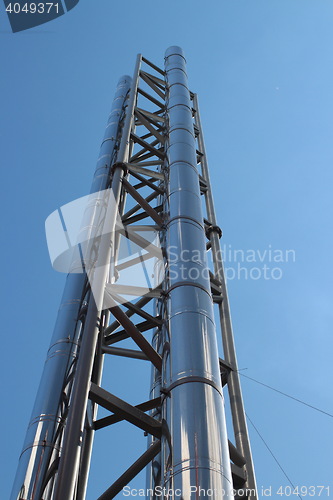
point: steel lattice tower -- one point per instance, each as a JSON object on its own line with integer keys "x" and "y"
{"x": 151, "y": 175}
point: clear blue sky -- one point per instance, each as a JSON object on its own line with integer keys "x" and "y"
{"x": 263, "y": 70}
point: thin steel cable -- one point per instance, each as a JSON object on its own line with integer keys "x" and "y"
{"x": 287, "y": 395}
{"x": 276, "y": 460}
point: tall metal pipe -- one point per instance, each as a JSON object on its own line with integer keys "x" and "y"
{"x": 42, "y": 445}
{"x": 194, "y": 445}
{"x": 234, "y": 386}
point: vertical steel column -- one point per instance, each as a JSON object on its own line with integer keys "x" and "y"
{"x": 153, "y": 478}
{"x": 234, "y": 387}
{"x": 194, "y": 445}
{"x": 43, "y": 439}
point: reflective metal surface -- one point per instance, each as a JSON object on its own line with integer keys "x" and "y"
{"x": 195, "y": 452}
{"x": 234, "y": 386}
{"x": 44, "y": 436}
{"x": 42, "y": 442}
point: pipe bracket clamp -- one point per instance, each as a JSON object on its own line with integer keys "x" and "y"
{"x": 121, "y": 165}
{"x": 214, "y": 229}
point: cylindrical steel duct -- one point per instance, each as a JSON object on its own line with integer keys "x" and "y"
{"x": 42, "y": 445}
{"x": 69, "y": 462}
{"x": 195, "y": 456}
{"x": 234, "y": 386}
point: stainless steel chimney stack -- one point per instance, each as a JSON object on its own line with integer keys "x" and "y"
{"x": 196, "y": 455}
{"x": 154, "y": 164}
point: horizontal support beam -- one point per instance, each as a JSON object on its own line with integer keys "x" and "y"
{"x": 152, "y": 116}
{"x": 144, "y": 171}
{"x": 140, "y": 312}
{"x": 136, "y": 291}
{"x": 130, "y": 233}
{"x": 149, "y": 163}
{"x": 125, "y": 353}
{"x": 216, "y": 290}
{"x": 146, "y": 182}
{"x": 217, "y": 299}
{"x": 148, "y": 228}
{"x": 125, "y": 410}
{"x": 113, "y": 419}
{"x": 133, "y": 262}
{"x": 123, "y": 334}
{"x": 140, "y": 216}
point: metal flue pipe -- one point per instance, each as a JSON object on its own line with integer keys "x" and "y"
{"x": 43, "y": 443}
{"x": 195, "y": 456}
{"x": 234, "y": 386}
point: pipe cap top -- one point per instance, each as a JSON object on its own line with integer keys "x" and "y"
{"x": 174, "y": 50}
{"x": 125, "y": 79}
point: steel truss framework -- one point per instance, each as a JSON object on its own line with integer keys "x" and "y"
{"x": 55, "y": 461}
